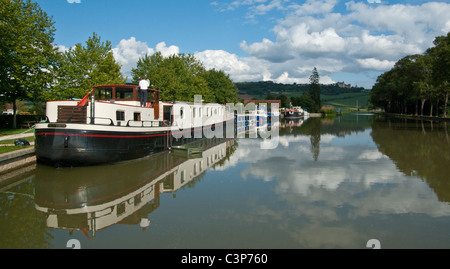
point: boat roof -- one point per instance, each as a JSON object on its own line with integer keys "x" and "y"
{"x": 120, "y": 86}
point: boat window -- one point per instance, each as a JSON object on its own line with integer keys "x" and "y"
{"x": 182, "y": 177}
{"x": 137, "y": 116}
{"x": 120, "y": 115}
{"x": 124, "y": 93}
{"x": 121, "y": 208}
{"x": 193, "y": 112}
{"x": 200, "y": 112}
{"x": 137, "y": 199}
{"x": 103, "y": 93}
{"x": 181, "y": 112}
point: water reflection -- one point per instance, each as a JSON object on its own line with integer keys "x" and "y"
{"x": 93, "y": 198}
{"x": 418, "y": 148}
{"x": 341, "y": 180}
{"x": 330, "y": 183}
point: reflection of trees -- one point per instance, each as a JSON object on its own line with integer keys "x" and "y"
{"x": 315, "y": 127}
{"x": 315, "y": 138}
{"x": 418, "y": 148}
{"x": 21, "y": 225}
{"x": 340, "y": 126}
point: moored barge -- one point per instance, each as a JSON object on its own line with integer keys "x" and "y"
{"x": 108, "y": 125}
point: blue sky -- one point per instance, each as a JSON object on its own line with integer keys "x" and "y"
{"x": 254, "y": 40}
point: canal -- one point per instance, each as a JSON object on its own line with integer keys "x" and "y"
{"x": 329, "y": 183}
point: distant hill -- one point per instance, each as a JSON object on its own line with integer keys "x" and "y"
{"x": 262, "y": 88}
{"x": 340, "y": 95}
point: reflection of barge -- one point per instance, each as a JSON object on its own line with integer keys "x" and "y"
{"x": 111, "y": 126}
{"x": 124, "y": 193}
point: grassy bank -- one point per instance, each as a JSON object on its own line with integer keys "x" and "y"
{"x": 347, "y": 101}
{"x": 5, "y": 149}
{"x": 7, "y": 145}
{"x": 417, "y": 117}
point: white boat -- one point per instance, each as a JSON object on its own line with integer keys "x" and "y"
{"x": 294, "y": 112}
{"x": 111, "y": 126}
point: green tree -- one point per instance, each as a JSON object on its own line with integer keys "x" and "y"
{"x": 441, "y": 67}
{"x": 27, "y": 56}
{"x": 178, "y": 77}
{"x": 414, "y": 79}
{"x": 270, "y": 96}
{"x": 284, "y": 100}
{"x": 303, "y": 100}
{"x": 314, "y": 90}
{"x": 221, "y": 86}
{"x": 82, "y": 67}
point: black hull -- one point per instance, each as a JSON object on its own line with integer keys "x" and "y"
{"x": 84, "y": 147}
{"x": 293, "y": 115}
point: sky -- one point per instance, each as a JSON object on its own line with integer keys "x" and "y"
{"x": 259, "y": 40}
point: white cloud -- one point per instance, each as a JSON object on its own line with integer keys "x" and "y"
{"x": 74, "y": 1}
{"x": 314, "y": 7}
{"x": 167, "y": 51}
{"x": 62, "y": 48}
{"x": 265, "y": 50}
{"x": 414, "y": 24}
{"x": 375, "y": 64}
{"x": 128, "y": 52}
{"x": 368, "y": 37}
{"x": 261, "y": 8}
{"x": 380, "y": 46}
{"x": 222, "y": 60}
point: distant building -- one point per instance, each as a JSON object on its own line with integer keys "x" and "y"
{"x": 343, "y": 85}
{"x": 9, "y": 110}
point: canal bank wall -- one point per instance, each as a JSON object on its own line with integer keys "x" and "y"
{"x": 415, "y": 117}
{"x": 19, "y": 161}
{"x": 16, "y": 162}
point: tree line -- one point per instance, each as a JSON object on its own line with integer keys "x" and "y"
{"x": 264, "y": 88}
{"x": 33, "y": 68}
{"x": 180, "y": 77}
{"x": 417, "y": 84}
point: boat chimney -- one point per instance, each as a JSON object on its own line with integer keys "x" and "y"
{"x": 92, "y": 109}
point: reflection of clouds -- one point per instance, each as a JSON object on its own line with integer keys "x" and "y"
{"x": 326, "y": 138}
{"x": 285, "y": 141}
{"x": 371, "y": 155}
{"x": 347, "y": 182}
{"x": 317, "y": 236}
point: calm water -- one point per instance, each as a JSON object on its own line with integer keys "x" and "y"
{"x": 328, "y": 184}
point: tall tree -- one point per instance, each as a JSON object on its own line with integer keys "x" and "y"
{"x": 314, "y": 90}
{"x": 82, "y": 67}
{"x": 27, "y": 56}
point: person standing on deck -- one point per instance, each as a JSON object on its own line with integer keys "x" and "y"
{"x": 143, "y": 85}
